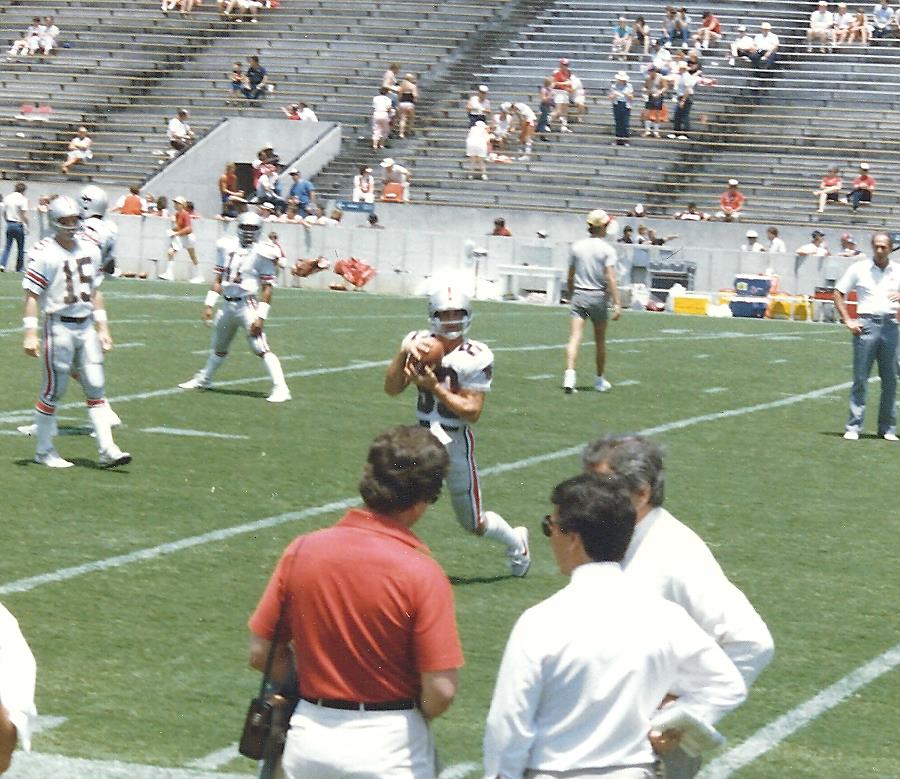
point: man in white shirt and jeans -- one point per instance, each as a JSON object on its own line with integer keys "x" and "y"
{"x": 15, "y": 213}
{"x": 877, "y": 285}
{"x": 584, "y": 671}
{"x": 688, "y": 576}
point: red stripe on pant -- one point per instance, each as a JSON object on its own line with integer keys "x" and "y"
{"x": 94, "y": 402}
{"x": 476, "y": 487}
{"x": 45, "y": 408}
{"x": 48, "y": 360}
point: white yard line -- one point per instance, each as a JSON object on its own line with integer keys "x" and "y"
{"x": 193, "y": 433}
{"x": 458, "y": 771}
{"x": 38, "y": 766}
{"x": 770, "y": 736}
{"x": 130, "y": 345}
{"x": 216, "y": 759}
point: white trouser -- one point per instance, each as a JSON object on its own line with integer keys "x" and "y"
{"x": 616, "y": 772}
{"x": 336, "y": 744}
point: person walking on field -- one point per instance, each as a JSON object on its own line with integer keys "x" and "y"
{"x": 591, "y": 284}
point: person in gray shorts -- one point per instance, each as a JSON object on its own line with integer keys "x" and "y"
{"x": 591, "y": 283}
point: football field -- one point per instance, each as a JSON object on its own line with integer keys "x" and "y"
{"x": 134, "y": 586}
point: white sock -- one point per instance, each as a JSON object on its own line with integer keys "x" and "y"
{"x": 499, "y": 529}
{"x": 569, "y": 379}
{"x": 528, "y": 148}
{"x": 99, "y": 416}
{"x": 170, "y": 268}
{"x": 647, "y": 125}
{"x": 212, "y": 365}
{"x": 273, "y": 365}
{"x": 44, "y": 432}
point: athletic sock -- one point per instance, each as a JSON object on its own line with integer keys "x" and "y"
{"x": 99, "y": 417}
{"x": 499, "y": 529}
{"x": 45, "y": 430}
{"x": 212, "y": 365}
{"x": 273, "y": 365}
{"x": 569, "y": 379}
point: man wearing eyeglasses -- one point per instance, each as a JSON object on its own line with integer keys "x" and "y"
{"x": 584, "y": 671}
{"x": 691, "y": 577}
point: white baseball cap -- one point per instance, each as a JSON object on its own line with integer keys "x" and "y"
{"x": 483, "y": 88}
{"x": 598, "y": 218}
{"x": 864, "y": 166}
{"x": 752, "y": 234}
{"x": 387, "y": 162}
{"x": 732, "y": 182}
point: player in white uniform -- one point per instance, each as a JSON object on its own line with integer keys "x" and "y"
{"x": 62, "y": 278}
{"x": 451, "y": 398}
{"x": 245, "y": 267}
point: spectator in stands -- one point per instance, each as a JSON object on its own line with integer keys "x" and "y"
{"x": 675, "y": 26}
{"x": 266, "y": 160}
{"x": 662, "y": 56}
{"x": 14, "y": 209}
{"x": 232, "y": 208}
{"x": 396, "y": 174}
{"x": 266, "y": 210}
{"x": 752, "y": 244}
{"x": 776, "y": 245}
{"x": 859, "y": 28}
{"x": 731, "y": 202}
{"x": 382, "y": 113}
{"x": 655, "y": 109}
{"x": 364, "y": 186}
{"x": 306, "y": 113}
{"x": 863, "y": 187}
{"x": 499, "y": 128}
{"x": 829, "y": 189}
{"x": 237, "y": 80}
{"x": 640, "y": 31}
{"x": 546, "y": 107}
{"x": 766, "y": 43}
{"x": 408, "y": 96}
{"x": 742, "y": 45}
{"x": 621, "y": 93}
{"x": 627, "y": 235}
{"x": 655, "y": 240}
{"x": 22, "y": 46}
{"x": 302, "y": 191}
{"x": 815, "y": 248}
{"x": 179, "y": 132}
{"x": 562, "y": 88}
{"x": 622, "y": 38}
{"x": 389, "y": 82}
{"x": 638, "y": 211}
{"x": 643, "y": 236}
{"x": 694, "y": 65}
{"x": 848, "y": 247}
{"x": 478, "y": 141}
{"x": 500, "y": 228}
{"x": 168, "y": 5}
{"x": 267, "y": 190}
{"x": 882, "y": 19}
{"x": 186, "y": 6}
{"x": 579, "y": 97}
{"x": 333, "y": 219}
{"x": 478, "y": 108}
{"x": 843, "y": 23}
{"x": 79, "y": 150}
{"x": 244, "y": 8}
{"x": 131, "y": 204}
{"x": 47, "y": 40}
{"x": 821, "y": 28}
{"x": 710, "y": 30}
{"x": 691, "y": 214}
{"x": 683, "y": 87}
{"x": 257, "y": 79}
{"x": 228, "y": 183}
{"x": 526, "y": 120}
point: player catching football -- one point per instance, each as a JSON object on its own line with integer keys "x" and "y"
{"x": 452, "y": 382}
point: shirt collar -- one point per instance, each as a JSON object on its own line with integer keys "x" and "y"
{"x": 366, "y": 519}
{"x": 591, "y": 573}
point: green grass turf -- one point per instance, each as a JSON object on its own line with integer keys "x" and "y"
{"x": 147, "y": 661}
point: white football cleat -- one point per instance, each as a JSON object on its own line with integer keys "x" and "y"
{"x": 890, "y": 437}
{"x": 51, "y": 459}
{"x": 197, "y": 382}
{"x": 197, "y": 280}
{"x": 851, "y": 435}
{"x": 602, "y": 385}
{"x": 569, "y": 382}
{"x": 165, "y": 276}
{"x": 520, "y": 559}
{"x": 279, "y": 394}
{"x": 114, "y": 457}
{"x": 28, "y": 430}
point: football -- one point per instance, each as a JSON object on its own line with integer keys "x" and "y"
{"x": 431, "y": 352}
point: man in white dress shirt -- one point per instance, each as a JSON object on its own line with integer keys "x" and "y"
{"x": 585, "y": 670}
{"x": 668, "y": 558}
{"x": 17, "y": 678}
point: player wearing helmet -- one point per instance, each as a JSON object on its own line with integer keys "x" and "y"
{"x": 245, "y": 267}
{"x": 451, "y": 399}
{"x": 62, "y": 279}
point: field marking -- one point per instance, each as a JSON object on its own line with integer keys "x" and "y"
{"x": 767, "y": 738}
{"x": 458, "y": 771}
{"x": 540, "y": 376}
{"x": 216, "y": 759}
{"x": 194, "y": 433}
{"x": 40, "y": 766}
{"x": 627, "y": 383}
{"x": 46, "y": 722}
{"x": 715, "y": 390}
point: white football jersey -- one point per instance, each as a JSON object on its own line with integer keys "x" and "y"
{"x": 102, "y": 232}
{"x": 469, "y": 366}
{"x": 64, "y": 280}
{"x": 242, "y": 268}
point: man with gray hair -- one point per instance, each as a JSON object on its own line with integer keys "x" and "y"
{"x": 668, "y": 558}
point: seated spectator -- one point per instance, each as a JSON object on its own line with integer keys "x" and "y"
{"x": 562, "y": 94}
{"x": 752, "y": 244}
{"x": 168, "y": 5}
{"x": 816, "y": 248}
{"x": 627, "y": 235}
{"x": 654, "y": 240}
{"x": 656, "y": 111}
{"x": 228, "y": 183}
{"x": 500, "y": 228}
{"x": 364, "y": 186}
{"x": 256, "y": 80}
{"x": 266, "y": 209}
{"x": 238, "y": 10}
{"x": 848, "y": 247}
{"x": 237, "y": 81}
{"x": 691, "y": 214}
{"x": 382, "y": 114}
{"x": 643, "y": 236}
{"x": 742, "y": 45}
{"x": 731, "y": 202}
{"x": 859, "y": 28}
{"x": 829, "y": 189}
{"x": 863, "y": 187}
{"x": 179, "y": 132}
{"x": 500, "y": 127}
{"x": 408, "y": 96}
{"x": 710, "y": 30}
{"x": 302, "y": 191}
{"x": 267, "y": 190}
{"x": 622, "y": 38}
{"x": 48, "y": 35}
{"x": 776, "y": 245}
{"x": 478, "y": 142}
{"x": 160, "y": 205}
{"x": 526, "y": 120}
{"x": 675, "y": 26}
{"x": 640, "y": 32}
{"x": 396, "y": 174}
{"x": 766, "y": 44}
{"x": 579, "y": 97}
{"x": 306, "y": 113}
{"x": 638, "y": 211}
{"x": 131, "y": 204}
{"x": 30, "y": 40}
{"x": 821, "y": 28}
{"x": 79, "y": 150}
{"x": 843, "y": 23}
{"x": 479, "y": 106}
{"x": 882, "y": 20}
{"x": 662, "y": 56}
{"x": 232, "y": 208}
{"x": 291, "y": 213}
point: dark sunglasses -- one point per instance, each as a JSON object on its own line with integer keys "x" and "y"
{"x": 547, "y": 524}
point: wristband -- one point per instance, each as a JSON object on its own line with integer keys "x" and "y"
{"x": 262, "y": 310}
{"x": 99, "y": 315}
{"x": 29, "y": 322}
{"x": 211, "y": 297}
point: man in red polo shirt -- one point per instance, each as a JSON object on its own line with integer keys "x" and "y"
{"x": 369, "y": 624}
{"x": 731, "y": 202}
{"x": 863, "y": 187}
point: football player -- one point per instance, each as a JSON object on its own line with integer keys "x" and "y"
{"x": 245, "y": 267}
{"x": 450, "y": 401}
{"x": 62, "y": 279}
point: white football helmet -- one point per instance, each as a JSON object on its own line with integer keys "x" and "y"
{"x": 249, "y": 228}
{"x": 93, "y": 201}
{"x": 449, "y": 297}
{"x": 59, "y": 208}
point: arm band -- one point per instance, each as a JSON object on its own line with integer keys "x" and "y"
{"x": 99, "y": 315}
{"x": 211, "y": 298}
{"x": 262, "y": 310}
{"x": 29, "y": 323}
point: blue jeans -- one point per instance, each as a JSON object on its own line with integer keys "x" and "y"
{"x": 15, "y": 231}
{"x": 859, "y": 195}
{"x": 622, "y": 117}
{"x": 544, "y": 119}
{"x": 681, "y": 121}
{"x": 878, "y": 341}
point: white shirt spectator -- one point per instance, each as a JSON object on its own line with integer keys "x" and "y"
{"x": 684, "y": 84}
{"x": 662, "y": 58}
{"x": 766, "y": 41}
{"x": 18, "y": 671}
{"x": 882, "y": 16}
{"x": 308, "y": 115}
{"x": 843, "y": 21}
{"x": 693, "y": 579}
{"x": 15, "y": 207}
{"x": 821, "y": 20}
{"x": 873, "y": 286}
{"x": 777, "y": 246}
{"x": 179, "y": 130}
{"x": 381, "y": 104}
{"x": 525, "y": 112}
{"x": 585, "y": 670}
{"x": 745, "y": 42}
{"x": 756, "y": 246}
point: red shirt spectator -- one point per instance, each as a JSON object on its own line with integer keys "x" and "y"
{"x": 863, "y": 187}
{"x": 731, "y": 201}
